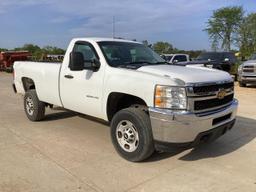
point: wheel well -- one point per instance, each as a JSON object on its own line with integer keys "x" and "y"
{"x": 28, "y": 84}
{"x": 118, "y": 101}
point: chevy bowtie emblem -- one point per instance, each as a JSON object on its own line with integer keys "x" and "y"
{"x": 221, "y": 94}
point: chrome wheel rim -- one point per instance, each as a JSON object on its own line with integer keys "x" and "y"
{"x": 29, "y": 105}
{"x": 127, "y": 136}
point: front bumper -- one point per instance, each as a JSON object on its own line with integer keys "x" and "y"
{"x": 184, "y": 127}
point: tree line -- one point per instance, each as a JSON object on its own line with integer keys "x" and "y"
{"x": 38, "y": 52}
{"x": 162, "y": 47}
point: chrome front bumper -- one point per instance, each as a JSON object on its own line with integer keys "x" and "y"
{"x": 248, "y": 79}
{"x": 184, "y": 127}
{"x": 247, "y": 76}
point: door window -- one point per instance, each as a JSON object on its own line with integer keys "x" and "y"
{"x": 180, "y": 58}
{"x": 88, "y": 52}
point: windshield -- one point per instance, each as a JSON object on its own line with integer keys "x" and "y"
{"x": 209, "y": 56}
{"x": 253, "y": 57}
{"x": 119, "y": 54}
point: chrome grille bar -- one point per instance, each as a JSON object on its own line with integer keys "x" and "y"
{"x": 227, "y": 86}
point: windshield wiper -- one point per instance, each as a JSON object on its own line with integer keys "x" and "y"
{"x": 147, "y": 62}
{"x": 161, "y": 62}
{"x": 128, "y": 66}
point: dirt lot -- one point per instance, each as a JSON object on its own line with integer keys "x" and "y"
{"x": 70, "y": 152}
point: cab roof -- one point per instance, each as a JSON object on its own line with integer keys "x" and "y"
{"x": 100, "y": 39}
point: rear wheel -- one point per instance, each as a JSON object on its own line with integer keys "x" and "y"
{"x": 131, "y": 134}
{"x": 34, "y": 108}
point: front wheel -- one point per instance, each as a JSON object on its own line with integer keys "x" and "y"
{"x": 34, "y": 108}
{"x": 131, "y": 134}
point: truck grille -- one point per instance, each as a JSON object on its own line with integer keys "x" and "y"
{"x": 248, "y": 69}
{"x": 212, "y": 103}
{"x": 212, "y": 88}
{"x": 210, "y": 96}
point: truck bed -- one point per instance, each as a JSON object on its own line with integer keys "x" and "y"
{"x": 45, "y": 76}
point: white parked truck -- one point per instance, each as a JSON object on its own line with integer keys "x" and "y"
{"x": 176, "y": 58}
{"x": 150, "y": 105}
{"x": 247, "y": 72}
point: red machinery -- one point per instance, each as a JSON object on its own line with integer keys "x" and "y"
{"x": 7, "y": 58}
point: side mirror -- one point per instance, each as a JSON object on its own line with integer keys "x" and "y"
{"x": 76, "y": 61}
{"x": 175, "y": 61}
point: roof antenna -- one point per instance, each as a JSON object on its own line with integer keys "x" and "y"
{"x": 114, "y": 27}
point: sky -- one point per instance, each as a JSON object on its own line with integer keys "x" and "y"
{"x": 56, "y": 22}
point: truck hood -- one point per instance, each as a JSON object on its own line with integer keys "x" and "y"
{"x": 250, "y": 63}
{"x": 187, "y": 74}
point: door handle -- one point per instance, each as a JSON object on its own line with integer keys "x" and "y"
{"x": 69, "y": 76}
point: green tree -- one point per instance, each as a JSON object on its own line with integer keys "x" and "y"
{"x": 3, "y": 49}
{"x": 163, "y": 47}
{"x": 223, "y": 26}
{"x": 35, "y": 50}
{"x": 53, "y": 50}
{"x": 38, "y": 53}
{"x": 247, "y": 38}
{"x": 29, "y": 47}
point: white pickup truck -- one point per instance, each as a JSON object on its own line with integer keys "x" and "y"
{"x": 151, "y": 105}
{"x": 176, "y": 58}
{"x": 247, "y": 72}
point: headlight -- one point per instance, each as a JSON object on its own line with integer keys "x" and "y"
{"x": 170, "y": 97}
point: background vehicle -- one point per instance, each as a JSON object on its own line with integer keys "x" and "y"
{"x": 149, "y": 103}
{"x": 175, "y": 58}
{"x": 247, "y": 72}
{"x": 225, "y": 61}
{"x": 52, "y": 58}
{"x": 7, "y": 59}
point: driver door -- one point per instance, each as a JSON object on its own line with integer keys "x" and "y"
{"x": 81, "y": 91}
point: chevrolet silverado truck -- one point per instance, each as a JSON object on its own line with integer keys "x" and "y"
{"x": 247, "y": 72}
{"x": 149, "y": 104}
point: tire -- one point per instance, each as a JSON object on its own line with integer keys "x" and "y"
{"x": 34, "y": 108}
{"x": 241, "y": 84}
{"x": 235, "y": 77}
{"x": 137, "y": 122}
